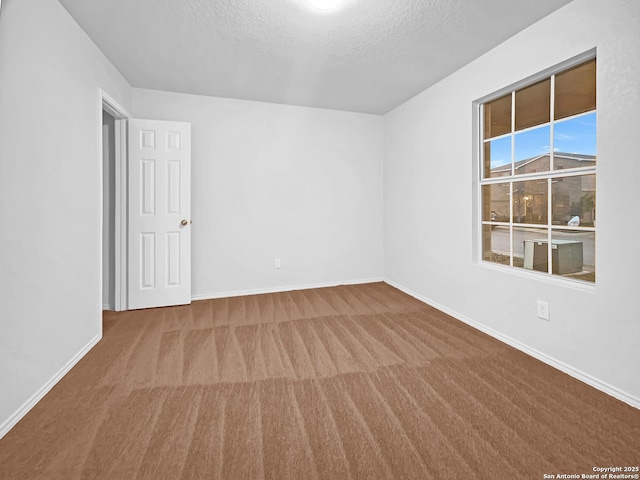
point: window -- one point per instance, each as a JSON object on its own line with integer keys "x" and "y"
{"x": 538, "y": 174}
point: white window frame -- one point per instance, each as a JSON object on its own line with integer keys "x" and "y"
{"x": 550, "y": 175}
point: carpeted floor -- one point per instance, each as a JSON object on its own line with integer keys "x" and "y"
{"x": 359, "y": 382}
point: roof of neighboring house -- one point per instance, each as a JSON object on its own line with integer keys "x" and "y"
{"x": 522, "y": 163}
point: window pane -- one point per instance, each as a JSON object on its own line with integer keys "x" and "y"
{"x": 532, "y": 150}
{"x": 530, "y": 247}
{"x": 574, "y": 142}
{"x": 575, "y": 90}
{"x": 497, "y": 117}
{"x": 573, "y": 200}
{"x": 533, "y": 105}
{"x": 495, "y": 202}
{"x": 495, "y": 244}
{"x": 497, "y": 158}
{"x": 573, "y": 254}
{"x": 530, "y": 201}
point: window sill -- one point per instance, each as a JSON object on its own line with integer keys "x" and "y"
{"x": 539, "y": 276}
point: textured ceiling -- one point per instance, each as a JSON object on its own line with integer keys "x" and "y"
{"x": 368, "y": 57}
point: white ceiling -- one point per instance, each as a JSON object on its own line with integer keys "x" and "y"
{"x": 369, "y": 57}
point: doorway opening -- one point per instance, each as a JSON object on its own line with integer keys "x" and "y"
{"x": 112, "y": 135}
{"x": 108, "y": 211}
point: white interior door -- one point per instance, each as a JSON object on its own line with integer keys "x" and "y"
{"x": 159, "y": 213}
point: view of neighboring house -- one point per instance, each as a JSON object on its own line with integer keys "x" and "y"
{"x": 571, "y": 196}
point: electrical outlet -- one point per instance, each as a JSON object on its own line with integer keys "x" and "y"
{"x": 543, "y": 310}
{"x": 277, "y": 263}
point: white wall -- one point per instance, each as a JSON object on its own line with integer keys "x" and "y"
{"x": 429, "y": 199}
{"x": 300, "y": 184}
{"x": 50, "y": 196}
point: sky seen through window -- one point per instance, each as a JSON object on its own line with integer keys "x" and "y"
{"x": 576, "y": 135}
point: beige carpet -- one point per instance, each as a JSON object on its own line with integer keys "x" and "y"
{"x": 352, "y": 382}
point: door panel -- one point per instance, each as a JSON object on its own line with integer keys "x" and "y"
{"x": 159, "y": 213}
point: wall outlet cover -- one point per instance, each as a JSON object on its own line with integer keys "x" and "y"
{"x": 543, "y": 310}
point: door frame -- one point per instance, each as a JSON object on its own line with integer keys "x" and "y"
{"x": 121, "y": 116}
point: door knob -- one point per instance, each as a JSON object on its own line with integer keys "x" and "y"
{"x": 184, "y": 223}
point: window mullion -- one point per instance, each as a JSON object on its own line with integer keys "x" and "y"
{"x": 549, "y": 231}
{"x": 511, "y": 224}
{"x": 552, "y": 124}
{"x": 513, "y": 130}
{"x": 513, "y": 172}
{"x": 552, "y": 102}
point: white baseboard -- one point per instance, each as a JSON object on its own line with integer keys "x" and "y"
{"x": 260, "y": 291}
{"x": 36, "y": 397}
{"x": 543, "y": 357}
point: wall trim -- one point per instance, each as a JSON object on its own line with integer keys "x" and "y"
{"x": 260, "y": 291}
{"x": 543, "y": 357}
{"x": 36, "y": 397}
